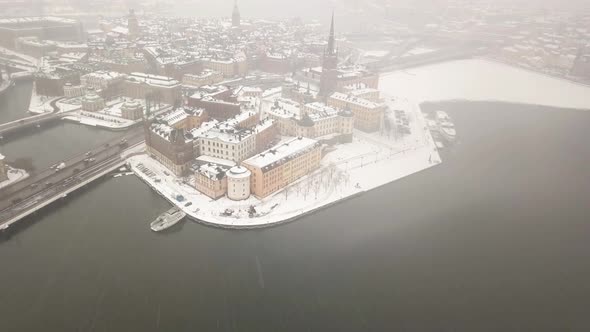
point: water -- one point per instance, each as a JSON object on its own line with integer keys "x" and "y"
{"x": 494, "y": 239}
{"x": 14, "y": 103}
{"x": 51, "y": 143}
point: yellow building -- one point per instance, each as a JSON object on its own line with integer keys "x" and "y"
{"x": 275, "y": 168}
{"x": 211, "y": 180}
{"x": 368, "y": 115}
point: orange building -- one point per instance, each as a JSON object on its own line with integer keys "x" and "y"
{"x": 368, "y": 115}
{"x": 276, "y": 168}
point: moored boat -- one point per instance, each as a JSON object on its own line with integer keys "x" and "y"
{"x": 167, "y": 219}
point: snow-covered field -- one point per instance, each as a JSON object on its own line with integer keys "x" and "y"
{"x": 483, "y": 80}
{"x": 370, "y": 161}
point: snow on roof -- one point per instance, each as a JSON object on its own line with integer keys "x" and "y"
{"x": 214, "y": 160}
{"x": 174, "y": 117}
{"x": 263, "y": 125}
{"x": 238, "y": 172}
{"x": 354, "y": 100}
{"x": 106, "y": 75}
{"x": 205, "y": 127}
{"x": 318, "y": 111}
{"x": 282, "y": 152}
{"x": 212, "y": 171}
{"x": 155, "y": 80}
{"x": 284, "y": 108}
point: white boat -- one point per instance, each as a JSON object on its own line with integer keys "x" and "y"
{"x": 167, "y": 220}
{"x": 445, "y": 126}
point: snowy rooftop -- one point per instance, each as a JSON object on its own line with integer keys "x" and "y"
{"x": 204, "y": 74}
{"x": 204, "y": 159}
{"x": 205, "y": 127}
{"x": 282, "y": 152}
{"x": 349, "y": 98}
{"x": 284, "y": 108}
{"x": 164, "y": 131}
{"x": 317, "y": 111}
{"x": 105, "y": 75}
{"x": 236, "y": 120}
{"x": 212, "y": 171}
{"x": 154, "y": 80}
{"x": 174, "y": 116}
{"x": 238, "y": 172}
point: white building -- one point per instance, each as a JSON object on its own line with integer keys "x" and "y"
{"x": 92, "y": 102}
{"x": 238, "y": 183}
{"x": 73, "y": 91}
{"x": 101, "y": 79}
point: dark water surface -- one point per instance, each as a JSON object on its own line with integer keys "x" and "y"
{"x": 14, "y": 103}
{"x": 52, "y": 142}
{"x": 494, "y": 239}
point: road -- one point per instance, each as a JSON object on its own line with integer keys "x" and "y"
{"x": 19, "y": 193}
{"x": 33, "y": 120}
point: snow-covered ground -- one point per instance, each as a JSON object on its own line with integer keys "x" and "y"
{"x": 96, "y": 119}
{"x": 40, "y": 104}
{"x": 14, "y": 175}
{"x": 370, "y": 161}
{"x": 375, "y": 53}
{"x": 483, "y": 80}
{"x": 23, "y": 57}
{"x": 418, "y": 51}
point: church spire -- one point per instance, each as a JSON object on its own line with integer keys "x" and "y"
{"x": 236, "y": 15}
{"x": 331, "y": 38}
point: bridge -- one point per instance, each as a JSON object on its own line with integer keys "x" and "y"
{"x": 16, "y": 125}
{"x": 25, "y": 197}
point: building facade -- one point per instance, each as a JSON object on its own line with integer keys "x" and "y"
{"x": 238, "y": 183}
{"x": 368, "y": 115}
{"x": 132, "y": 110}
{"x": 170, "y": 147}
{"x": 206, "y": 77}
{"x": 320, "y": 120}
{"x": 276, "y": 168}
{"x": 163, "y": 89}
{"x": 92, "y": 102}
{"x": 211, "y": 180}
{"x": 73, "y": 91}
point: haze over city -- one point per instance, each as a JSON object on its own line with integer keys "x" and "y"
{"x": 326, "y": 165}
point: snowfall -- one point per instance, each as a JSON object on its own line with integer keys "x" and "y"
{"x": 370, "y": 161}
{"x": 484, "y": 80}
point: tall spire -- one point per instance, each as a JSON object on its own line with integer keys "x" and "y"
{"x": 331, "y": 42}
{"x": 236, "y": 15}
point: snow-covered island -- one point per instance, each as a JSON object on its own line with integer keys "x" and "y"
{"x": 346, "y": 169}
